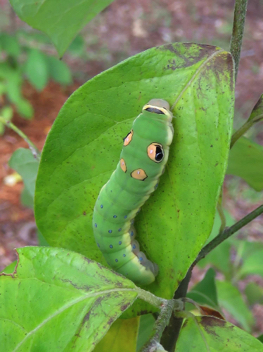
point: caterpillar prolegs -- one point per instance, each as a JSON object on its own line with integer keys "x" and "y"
{"x": 142, "y": 161}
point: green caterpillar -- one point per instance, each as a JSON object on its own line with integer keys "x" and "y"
{"x": 142, "y": 161}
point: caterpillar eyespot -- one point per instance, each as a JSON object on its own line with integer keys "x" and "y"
{"x": 128, "y": 138}
{"x": 142, "y": 161}
{"x": 123, "y": 165}
{"x": 155, "y": 152}
{"x": 139, "y": 174}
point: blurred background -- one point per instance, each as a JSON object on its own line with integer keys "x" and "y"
{"x": 34, "y": 84}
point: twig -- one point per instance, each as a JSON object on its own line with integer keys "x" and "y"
{"x": 255, "y": 116}
{"x": 238, "y": 31}
{"x": 36, "y": 153}
{"x": 242, "y": 130}
{"x": 150, "y": 298}
{"x": 172, "y": 331}
{"x": 163, "y": 320}
{"x": 227, "y": 233}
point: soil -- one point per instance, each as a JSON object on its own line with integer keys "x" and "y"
{"x": 124, "y": 29}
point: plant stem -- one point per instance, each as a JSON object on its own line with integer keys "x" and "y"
{"x": 239, "y": 133}
{"x": 227, "y": 233}
{"x": 160, "y": 324}
{"x": 243, "y": 129}
{"x": 150, "y": 298}
{"x": 238, "y": 31}
{"x": 36, "y": 153}
{"x": 172, "y": 331}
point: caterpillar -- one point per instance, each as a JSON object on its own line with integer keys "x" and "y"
{"x": 142, "y": 161}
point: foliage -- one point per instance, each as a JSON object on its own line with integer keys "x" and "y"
{"x": 213, "y": 334}
{"x": 248, "y": 261}
{"x": 76, "y": 301}
{"x": 23, "y": 162}
{"x": 65, "y": 301}
{"x": 246, "y": 152}
{"x": 82, "y": 133}
{"x": 62, "y": 20}
{"x": 18, "y": 62}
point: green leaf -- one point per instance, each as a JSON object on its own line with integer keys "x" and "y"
{"x": 9, "y": 44}
{"x": 41, "y": 240}
{"x": 230, "y": 298}
{"x": 254, "y": 293}
{"x": 208, "y": 334}
{"x": 84, "y": 145}
{"x": 23, "y": 162}
{"x": 260, "y": 338}
{"x": 204, "y": 292}
{"x": 245, "y": 249}
{"x": 12, "y": 79}
{"x": 58, "y": 300}
{"x": 2, "y": 128}
{"x": 2, "y": 86}
{"x": 121, "y": 337}
{"x": 253, "y": 264}
{"x": 246, "y": 161}
{"x": 145, "y": 330}
{"x": 24, "y": 108}
{"x": 10, "y": 268}
{"x": 27, "y": 199}
{"x": 77, "y": 47}
{"x": 7, "y": 113}
{"x": 58, "y": 70}
{"x": 60, "y": 20}
{"x": 36, "y": 69}
{"x": 220, "y": 256}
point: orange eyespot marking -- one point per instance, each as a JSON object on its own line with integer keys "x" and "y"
{"x": 155, "y": 152}
{"x": 139, "y": 174}
{"x": 128, "y": 138}
{"x": 123, "y": 165}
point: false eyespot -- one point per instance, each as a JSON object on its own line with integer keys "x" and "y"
{"x": 128, "y": 138}
{"x": 139, "y": 174}
{"x": 155, "y": 152}
{"x": 123, "y": 165}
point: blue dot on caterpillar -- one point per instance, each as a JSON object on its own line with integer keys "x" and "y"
{"x": 142, "y": 161}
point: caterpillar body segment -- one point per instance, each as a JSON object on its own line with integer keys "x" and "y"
{"x": 142, "y": 161}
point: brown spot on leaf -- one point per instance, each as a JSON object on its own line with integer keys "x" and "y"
{"x": 222, "y": 67}
{"x": 95, "y": 304}
{"x": 209, "y": 323}
{"x": 201, "y": 52}
{"x": 211, "y": 312}
{"x": 125, "y": 306}
{"x": 86, "y": 318}
{"x": 110, "y": 321}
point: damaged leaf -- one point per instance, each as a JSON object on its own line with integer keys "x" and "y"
{"x": 209, "y": 334}
{"x": 57, "y": 300}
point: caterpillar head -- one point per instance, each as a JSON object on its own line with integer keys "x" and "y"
{"x": 159, "y": 106}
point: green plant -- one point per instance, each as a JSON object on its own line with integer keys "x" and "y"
{"x": 20, "y": 61}
{"x": 66, "y": 301}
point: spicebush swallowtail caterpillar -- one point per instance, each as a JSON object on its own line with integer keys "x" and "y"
{"x": 142, "y": 161}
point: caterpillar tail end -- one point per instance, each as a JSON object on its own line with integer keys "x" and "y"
{"x": 139, "y": 274}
